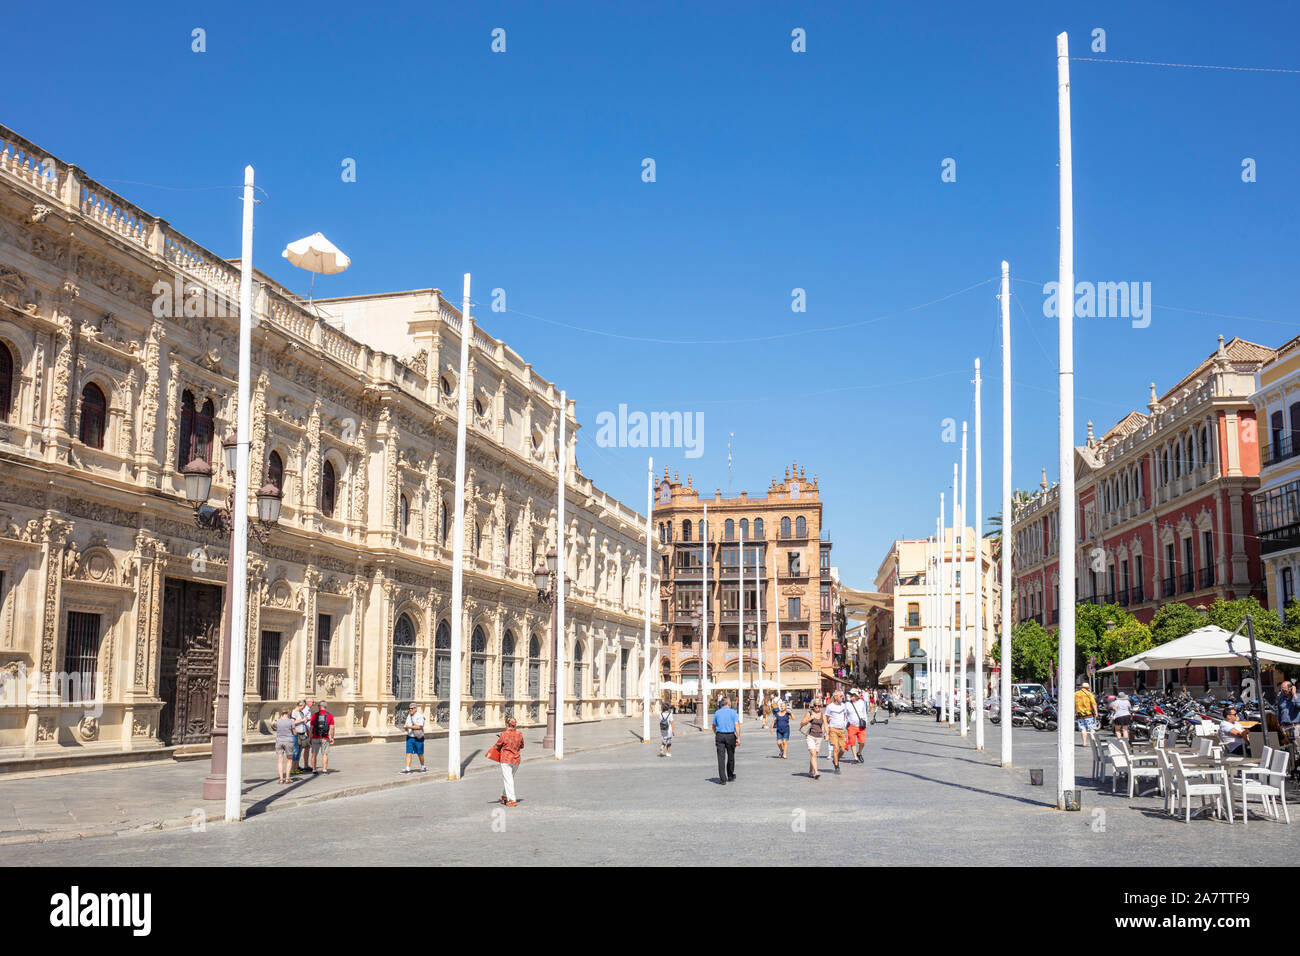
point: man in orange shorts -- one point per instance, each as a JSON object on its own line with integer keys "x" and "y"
{"x": 857, "y": 728}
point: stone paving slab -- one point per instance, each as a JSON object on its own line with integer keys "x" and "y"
{"x": 168, "y": 795}
{"x": 924, "y": 796}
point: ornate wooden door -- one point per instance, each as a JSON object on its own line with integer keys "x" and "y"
{"x": 191, "y": 629}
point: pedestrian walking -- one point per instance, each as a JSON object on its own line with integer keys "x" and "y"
{"x": 506, "y": 752}
{"x": 1288, "y": 718}
{"x": 284, "y": 746}
{"x": 1121, "y": 714}
{"x": 857, "y": 723}
{"x": 414, "y": 737}
{"x": 837, "y": 720}
{"x": 781, "y": 727}
{"x": 815, "y": 721}
{"x": 301, "y": 717}
{"x": 726, "y": 738}
{"x": 1085, "y": 712}
{"x": 767, "y": 710}
{"x": 322, "y": 737}
{"x": 666, "y": 731}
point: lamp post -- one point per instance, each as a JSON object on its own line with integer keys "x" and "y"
{"x": 697, "y": 622}
{"x": 751, "y": 637}
{"x": 198, "y": 486}
{"x": 548, "y": 594}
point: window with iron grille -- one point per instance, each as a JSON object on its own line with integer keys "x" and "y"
{"x": 324, "y": 635}
{"x": 268, "y": 669}
{"x": 81, "y": 657}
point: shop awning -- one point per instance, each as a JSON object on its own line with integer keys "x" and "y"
{"x": 892, "y": 673}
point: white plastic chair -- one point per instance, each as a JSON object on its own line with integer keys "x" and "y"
{"x": 1140, "y": 766}
{"x": 1168, "y": 785}
{"x": 1190, "y": 785}
{"x": 1272, "y": 787}
{"x": 1118, "y": 760}
{"x": 1203, "y": 746}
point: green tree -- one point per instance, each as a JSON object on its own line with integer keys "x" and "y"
{"x": 1173, "y": 621}
{"x": 1091, "y": 624}
{"x": 1229, "y": 615}
{"x": 1124, "y": 640}
{"x": 1032, "y": 647}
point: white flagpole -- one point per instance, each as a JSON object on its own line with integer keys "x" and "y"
{"x": 776, "y": 616}
{"x": 1004, "y": 693}
{"x": 758, "y": 621}
{"x": 1065, "y": 314}
{"x": 964, "y": 640}
{"x": 945, "y": 609}
{"x": 704, "y": 617}
{"x": 645, "y": 643}
{"x": 458, "y": 552}
{"x": 955, "y": 597}
{"x": 239, "y": 532}
{"x": 740, "y": 678}
{"x": 979, "y": 566}
{"x": 561, "y": 565}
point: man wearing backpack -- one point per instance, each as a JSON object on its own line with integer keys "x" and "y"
{"x": 666, "y": 731}
{"x": 322, "y": 735}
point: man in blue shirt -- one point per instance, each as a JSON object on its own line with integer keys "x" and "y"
{"x": 1288, "y": 715}
{"x": 726, "y": 737}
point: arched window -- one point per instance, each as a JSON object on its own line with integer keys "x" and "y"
{"x": 534, "y": 674}
{"x": 203, "y": 428}
{"x": 185, "y": 445}
{"x": 578, "y": 665}
{"x": 93, "y": 411}
{"x": 404, "y": 514}
{"x": 758, "y": 529}
{"x": 404, "y": 658}
{"x": 744, "y": 528}
{"x": 478, "y": 665}
{"x": 508, "y": 672}
{"x": 785, "y": 527}
{"x": 670, "y": 531}
{"x": 442, "y": 661}
{"x": 686, "y": 530}
{"x": 275, "y": 470}
{"x": 1205, "y": 443}
{"x": 661, "y": 533}
{"x": 6, "y": 382}
{"x": 730, "y": 529}
{"x": 328, "y": 488}
{"x": 800, "y": 527}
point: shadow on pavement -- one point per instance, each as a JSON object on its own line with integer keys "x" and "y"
{"x": 962, "y": 786}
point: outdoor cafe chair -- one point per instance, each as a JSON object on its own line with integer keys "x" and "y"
{"x": 1274, "y": 772}
{"x": 1140, "y": 766}
{"x": 1203, "y": 746}
{"x": 1099, "y": 756}
{"x": 1118, "y": 760}
{"x": 1196, "y": 785}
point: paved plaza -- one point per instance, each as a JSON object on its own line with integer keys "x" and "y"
{"x": 923, "y": 796}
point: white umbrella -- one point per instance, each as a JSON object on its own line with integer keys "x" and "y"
{"x": 317, "y": 255}
{"x": 1204, "y": 647}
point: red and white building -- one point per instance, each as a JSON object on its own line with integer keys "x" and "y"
{"x": 1164, "y": 502}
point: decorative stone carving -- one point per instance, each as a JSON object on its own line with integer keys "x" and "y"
{"x": 39, "y": 213}
{"x": 47, "y": 728}
{"x": 88, "y": 729}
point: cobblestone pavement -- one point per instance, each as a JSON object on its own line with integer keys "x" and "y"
{"x": 924, "y": 795}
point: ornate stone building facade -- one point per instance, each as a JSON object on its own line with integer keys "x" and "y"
{"x": 117, "y": 363}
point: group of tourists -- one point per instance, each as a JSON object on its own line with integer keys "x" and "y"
{"x": 839, "y": 723}
{"x": 305, "y": 732}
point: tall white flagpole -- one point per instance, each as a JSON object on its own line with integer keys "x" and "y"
{"x": 1004, "y": 693}
{"x": 458, "y": 552}
{"x": 958, "y": 520}
{"x": 929, "y": 618}
{"x": 979, "y": 565}
{"x": 758, "y": 622}
{"x": 1065, "y": 314}
{"x": 740, "y": 678}
{"x": 776, "y": 616}
{"x": 704, "y": 617}
{"x": 645, "y": 643}
{"x": 964, "y": 641}
{"x": 239, "y": 532}
{"x": 561, "y": 565}
{"x": 945, "y": 609}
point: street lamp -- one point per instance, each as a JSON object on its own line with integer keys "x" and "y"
{"x": 544, "y": 576}
{"x": 198, "y": 486}
{"x": 750, "y": 638}
{"x": 697, "y": 622}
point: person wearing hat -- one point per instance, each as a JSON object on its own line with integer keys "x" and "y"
{"x": 857, "y": 722}
{"x": 414, "y": 737}
{"x": 507, "y": 749}
{"x": 1121, "y": 710}
{"x": 1085, "y": 712}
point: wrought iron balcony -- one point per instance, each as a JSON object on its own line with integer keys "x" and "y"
{"x": 1170, "y": 587}
{"x": 1205, "y": 577}
{"x": 1186, "y": 582}
{"x": 1279, "y": 449}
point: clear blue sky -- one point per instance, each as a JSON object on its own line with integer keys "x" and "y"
{"x": 775, "y": 170}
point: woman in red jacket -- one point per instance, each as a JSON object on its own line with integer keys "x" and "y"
{"x": 506, "y": 751}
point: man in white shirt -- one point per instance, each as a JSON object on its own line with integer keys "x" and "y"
{"x": 300, "y": 716}
{"x": 837, "y": 720}
{"x": 1231, "y": 733}
{"x": 414, "y": 737}
{"x": 857, "y": 723}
